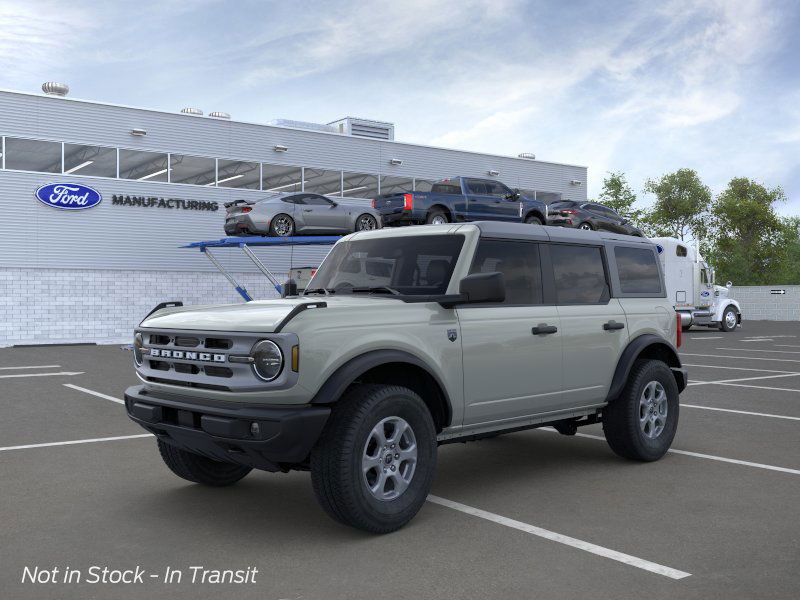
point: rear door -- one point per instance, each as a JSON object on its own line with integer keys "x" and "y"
{"x": 479, "y": 200}
{"x": 511, "y": 369}
{"x": 593, "y": 325}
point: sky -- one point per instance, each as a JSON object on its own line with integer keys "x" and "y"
{"x": 639, "y": 87}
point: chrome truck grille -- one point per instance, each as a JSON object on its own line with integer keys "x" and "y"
{"x": 210, "y": 360}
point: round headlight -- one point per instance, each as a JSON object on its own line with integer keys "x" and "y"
{"x": 268, "y": 360}
{"x": 138, "y": 342}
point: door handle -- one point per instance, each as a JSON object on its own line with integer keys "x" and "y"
{"x": 544, "y": 329}
{"x": 308, "y": 210}
{"x": 613, "y": 325}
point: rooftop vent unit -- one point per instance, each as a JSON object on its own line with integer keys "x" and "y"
{"x": 219, "y": 115}
{"x": 51, "y": 88}
{"x": 302, "y": 125}
{"x": 376, "y": 130}
{"x": 527, "y": 155}
{"x": 192, "y": 111}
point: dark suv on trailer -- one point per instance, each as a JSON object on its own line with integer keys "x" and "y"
{"x": 589, "y": 215}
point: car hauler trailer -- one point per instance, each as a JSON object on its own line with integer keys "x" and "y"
{"x": 691, "y": 287}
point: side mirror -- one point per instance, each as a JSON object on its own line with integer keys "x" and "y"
{"x": 483, "y": 287}
{"x": 334, "y": 204}
{"x": 289, "y": 288}
{"x": 729, "y": 285}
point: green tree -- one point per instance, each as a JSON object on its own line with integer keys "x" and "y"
{"x": 681, "y": 205}
{"x": 617, "y": 194}
{"x": 751, "y": 243}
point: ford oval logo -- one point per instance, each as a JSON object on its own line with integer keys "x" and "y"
{"x": 68, "y": 196}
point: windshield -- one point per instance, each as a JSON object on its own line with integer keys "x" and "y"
{"x": 409, "y": 265}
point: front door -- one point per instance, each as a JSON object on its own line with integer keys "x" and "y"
{"x": 594, "y": 327}
{"x": 321, "y": 214}
{"x": 511, "y": 350}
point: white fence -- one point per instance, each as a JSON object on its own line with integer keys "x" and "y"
{"x": 768, "y": 302}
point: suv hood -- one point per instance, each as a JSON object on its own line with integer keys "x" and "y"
{"x": 261, "y": 316}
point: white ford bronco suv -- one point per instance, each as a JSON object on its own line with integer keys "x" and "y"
{"x": 406, "y": 339}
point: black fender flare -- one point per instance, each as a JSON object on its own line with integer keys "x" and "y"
{"x": 340, "y": 380}
{"x": 535, "y": 212}
{"x": 633, "y": 350}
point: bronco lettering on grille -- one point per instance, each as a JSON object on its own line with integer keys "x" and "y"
{"x": 182, "y": 354}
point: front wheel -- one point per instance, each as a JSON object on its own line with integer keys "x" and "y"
{"x": 373, "y": 466}
{"x": 729, "y": 320}
{"x": 641, "y": 423}
{"x": 366, "y": 223}
{"x": 199, "y": 469}
{"x": 281, "y": 226}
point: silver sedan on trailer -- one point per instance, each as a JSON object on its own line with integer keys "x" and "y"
{"x": 298, "y": 213}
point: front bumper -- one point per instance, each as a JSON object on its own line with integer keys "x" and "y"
{"x": 225, "y": 432}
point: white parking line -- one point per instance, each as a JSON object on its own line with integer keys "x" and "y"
{"x": 699, "y": 455}
{"x": 749, "y": 350}
{"x": 742, "y": 379}
{"x": 31, "y": 367}
{"x": 561, "y": 539}
{"x": 760, "y": 387}
{"x": 741, "y": 357}
{"x": 93, "y": 393}
{"x": 739, "y": 368}
{"x": 41, "y": 374}
{"x": 759, "y": 340}
{"x": 713, "y": 337}
{"x": 741, "y": 412}
{"x": 71, "y": 442}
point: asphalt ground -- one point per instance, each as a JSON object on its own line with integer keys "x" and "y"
{"x": 527, "y": 515}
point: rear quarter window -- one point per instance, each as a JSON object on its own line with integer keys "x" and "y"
{"x": 638, "y": 270}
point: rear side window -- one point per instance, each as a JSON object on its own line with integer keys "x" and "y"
{"x": 519, "y": 264}
{"x": 638, "y": 271}
{"x": 446, "y": 186}
{"x": 579, "y": 274}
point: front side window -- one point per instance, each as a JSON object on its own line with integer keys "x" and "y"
{"x": 638, "y": 271}
{"x": 579, "y": 274}
{"x": 97, "y": 161}
{"x": 495, "y": 188}
{"x": 681, "y": 250}
{"x": 519, "y": 264}
{"x": 476, "y": 186}
{"x": 413, "y": 265}
{"x": 33, "y": 155}
{"x": 315, "y": 200}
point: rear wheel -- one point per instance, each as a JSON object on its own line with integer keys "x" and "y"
{"x": 281, "y": 226}
{"x": 373, "y": 466}
{"x": 199, "y": 469}
{"x": 729, "y": 320}
{"x": 641, "y": 423}
{"x": 436, "y": 216}
{"x": 533, "y": 220}
{"x": 366, "y": 222}
{"x": 585, "y": 226}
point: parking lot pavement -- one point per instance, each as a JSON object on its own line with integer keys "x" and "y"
{"x": 549, "y": 511}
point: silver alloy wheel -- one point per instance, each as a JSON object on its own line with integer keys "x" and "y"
{"x": 366, "y": 223}
{"x": 730, "y": 319}
{"x": 439, "y": 220}
{"x": 389, "y": 458}
{"x": 653, "y": 409}
{"x": 585, "y": 227}
{"x": 282, "y": 225}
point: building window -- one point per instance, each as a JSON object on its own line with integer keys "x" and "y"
{"x": 97, "y": 161}
{"x": 33, "y": 155}
{"x": 321, "y": 181}
{"x": 194, "y": 170}
{"x": 396, "y": 185}
{"x": 359, "y": 185}
{"x": 279, "y": 178}
{"x": 238, "y": 174}
{"x": 144, "y": 166}
{"x": 423, "y": 185}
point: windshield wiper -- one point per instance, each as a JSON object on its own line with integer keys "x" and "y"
{"x": 381, "y": 289}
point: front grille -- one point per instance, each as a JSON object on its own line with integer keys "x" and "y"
{"x": 218, "y": 343}
{"x": 187, "y": 342}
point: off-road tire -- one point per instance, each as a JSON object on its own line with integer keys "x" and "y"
{"x": 336, "y": 467}
{"x": 272, "y": 230}
{"x": 621, "y": 417}
{"x": 200, "y": 469}
{"x": 723, "y": 325}
{"x": 434, "y": 213}
{"x": 533, "y": 220}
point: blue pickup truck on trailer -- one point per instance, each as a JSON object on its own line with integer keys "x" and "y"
{"x": 460, "y": 199}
